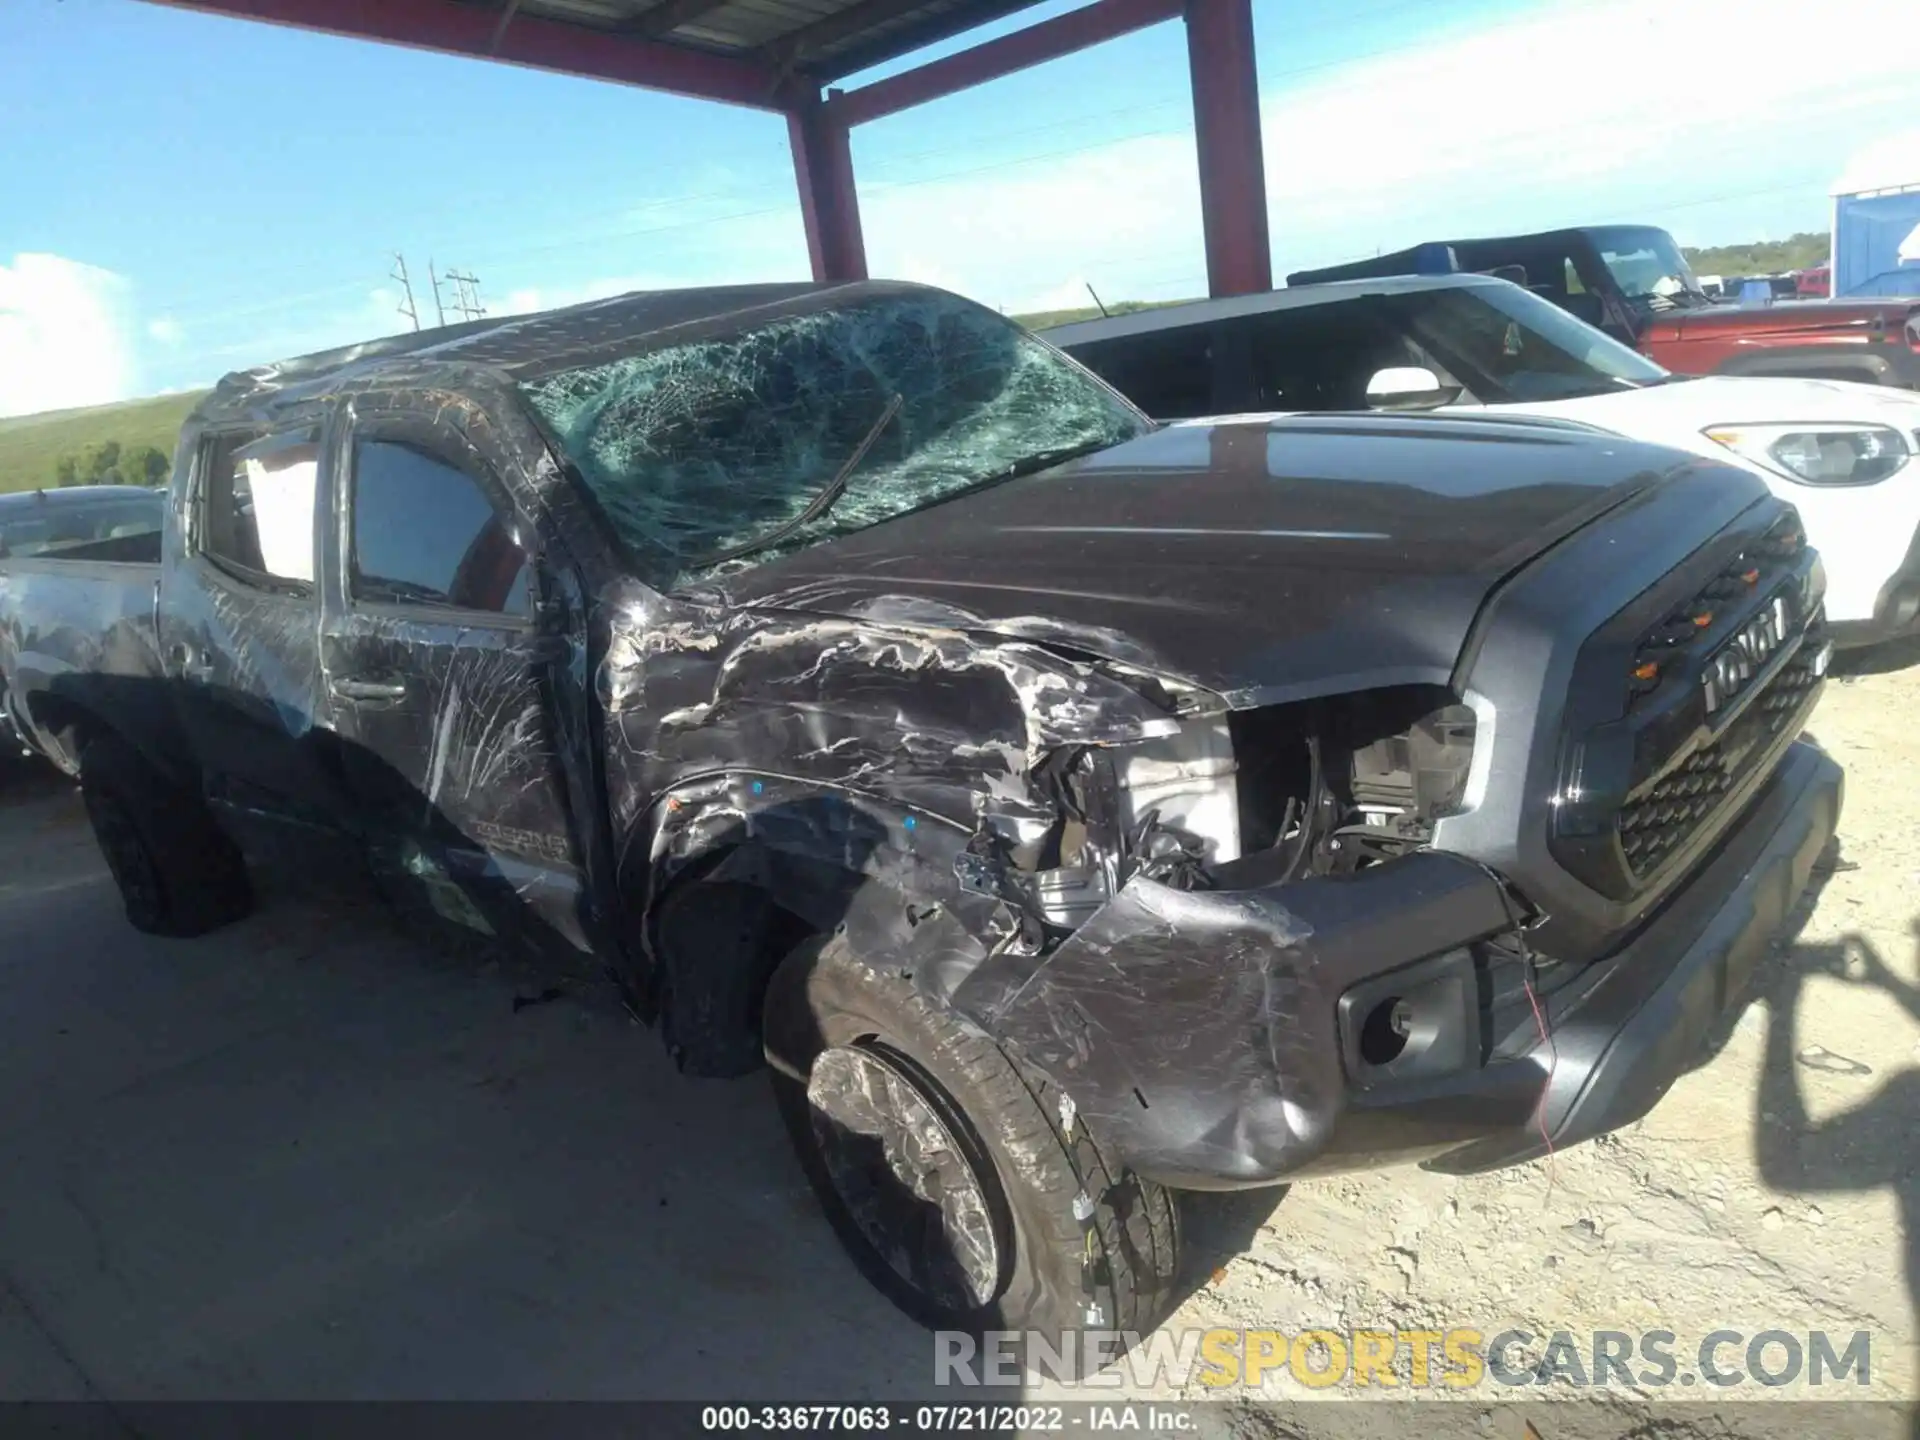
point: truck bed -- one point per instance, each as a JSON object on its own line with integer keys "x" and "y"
{"x": 78, "y": 629}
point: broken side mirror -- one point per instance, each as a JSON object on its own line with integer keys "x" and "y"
{"x": 1409, "y": 387}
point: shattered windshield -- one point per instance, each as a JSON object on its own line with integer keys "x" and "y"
{"x": 781, "y": 436}
{"x": 1649, "y": 268}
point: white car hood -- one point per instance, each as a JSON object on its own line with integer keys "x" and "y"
{"x": 1864, "y": 533}
{"x": 1676, "y": 413}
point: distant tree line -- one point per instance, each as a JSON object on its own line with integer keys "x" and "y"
{"x": 1765, "y": 257}
{"x": 107, "y": 463}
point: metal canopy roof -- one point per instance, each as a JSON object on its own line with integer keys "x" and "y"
{"x": 779, "y": 55}
{"x": 821, "y": 40}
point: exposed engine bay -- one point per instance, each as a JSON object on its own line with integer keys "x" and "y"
{"x": 1332, "y": 785}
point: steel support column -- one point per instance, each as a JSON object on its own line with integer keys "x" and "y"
{"x": 829, "y": 204}
{"x": 1226, "y": 129}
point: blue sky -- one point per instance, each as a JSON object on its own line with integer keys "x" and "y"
{"x": 184, "y": 194}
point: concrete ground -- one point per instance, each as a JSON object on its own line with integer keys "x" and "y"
{"x": 305, "y": 1159}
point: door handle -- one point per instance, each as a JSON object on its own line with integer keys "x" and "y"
{"x": 369, "y": 690}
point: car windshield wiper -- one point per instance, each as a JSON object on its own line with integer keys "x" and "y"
{"x": 829, "y": 495}
{"x": 1044, "y": 460}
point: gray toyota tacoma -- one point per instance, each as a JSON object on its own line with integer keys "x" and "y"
{"x": 1069, "y": 810}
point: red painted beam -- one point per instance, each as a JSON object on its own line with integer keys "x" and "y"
{"x": 1049, "y": 40}
{"x": 530, "y": 40}
{"x": 1226, "y": 131}
{"x": 829, "y": 203}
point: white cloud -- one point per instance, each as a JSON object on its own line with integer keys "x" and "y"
{"x": 1521, "y": 124}
{"x": 1074, "y": 294}
{"x": 166, "y": 330}
{"x": 1887, "y": 163}
{"x": 63, "y": 335}
{"x": 528, "y": 298}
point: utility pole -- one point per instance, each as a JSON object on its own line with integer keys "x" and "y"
{"x": 467, "y": 291}
{"x": 399, "y": 272}
{"x": 439, "y": 306}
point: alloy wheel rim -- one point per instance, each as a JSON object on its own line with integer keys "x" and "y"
{"x": 900, "y": 1171}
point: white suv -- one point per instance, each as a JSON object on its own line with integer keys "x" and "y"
{"x": 1843, "y": 453}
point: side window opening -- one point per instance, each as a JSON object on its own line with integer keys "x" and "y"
{"x": 1167, "y": 373}
{"x": 425, "y": 533}
{"x": 1321, "y": 357}
{"x": 256, "y": 507}
{"x": 126, "y": 531}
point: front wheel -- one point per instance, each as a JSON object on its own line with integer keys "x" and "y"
{"x": 963, "y": 1186}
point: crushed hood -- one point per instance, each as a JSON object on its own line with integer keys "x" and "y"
{"x": 1248, "y": 556}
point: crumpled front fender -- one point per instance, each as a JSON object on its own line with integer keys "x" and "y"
{"x": 1197, "y": 1033}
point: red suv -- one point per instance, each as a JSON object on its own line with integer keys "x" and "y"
{"x": 1633, "y": 282}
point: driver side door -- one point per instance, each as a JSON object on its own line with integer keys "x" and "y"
{"x": 444, "y": 683}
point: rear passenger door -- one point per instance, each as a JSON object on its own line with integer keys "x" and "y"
{"x": 442, "y": 686}
{"x": 239, "y": 633}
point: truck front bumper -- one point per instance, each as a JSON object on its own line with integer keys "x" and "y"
{"x": 1238, "y": 1036}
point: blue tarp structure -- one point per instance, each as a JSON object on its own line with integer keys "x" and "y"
{"x": 1876, "y": 243}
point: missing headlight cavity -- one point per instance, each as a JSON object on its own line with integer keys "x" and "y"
{"x": 1354, "y": 779}
{"x": 1233, "y": 801}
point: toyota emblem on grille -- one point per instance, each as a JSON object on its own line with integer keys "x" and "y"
{"x": 1734, "y": 664}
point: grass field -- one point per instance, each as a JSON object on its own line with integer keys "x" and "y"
{"x": 31, "y": 445}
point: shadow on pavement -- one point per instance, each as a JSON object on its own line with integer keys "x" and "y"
{"x": 301, "y": 1158}
{"x": 1872, "y": 1145}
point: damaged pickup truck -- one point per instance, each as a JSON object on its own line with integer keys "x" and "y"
{"x": 1070, "y": 810}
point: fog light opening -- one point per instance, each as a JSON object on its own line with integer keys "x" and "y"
{"x": 1383, "y": 1034}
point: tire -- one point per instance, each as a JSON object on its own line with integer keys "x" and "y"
{"x": 1076, "y": 1243}
{"x": 177, "y": 872}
